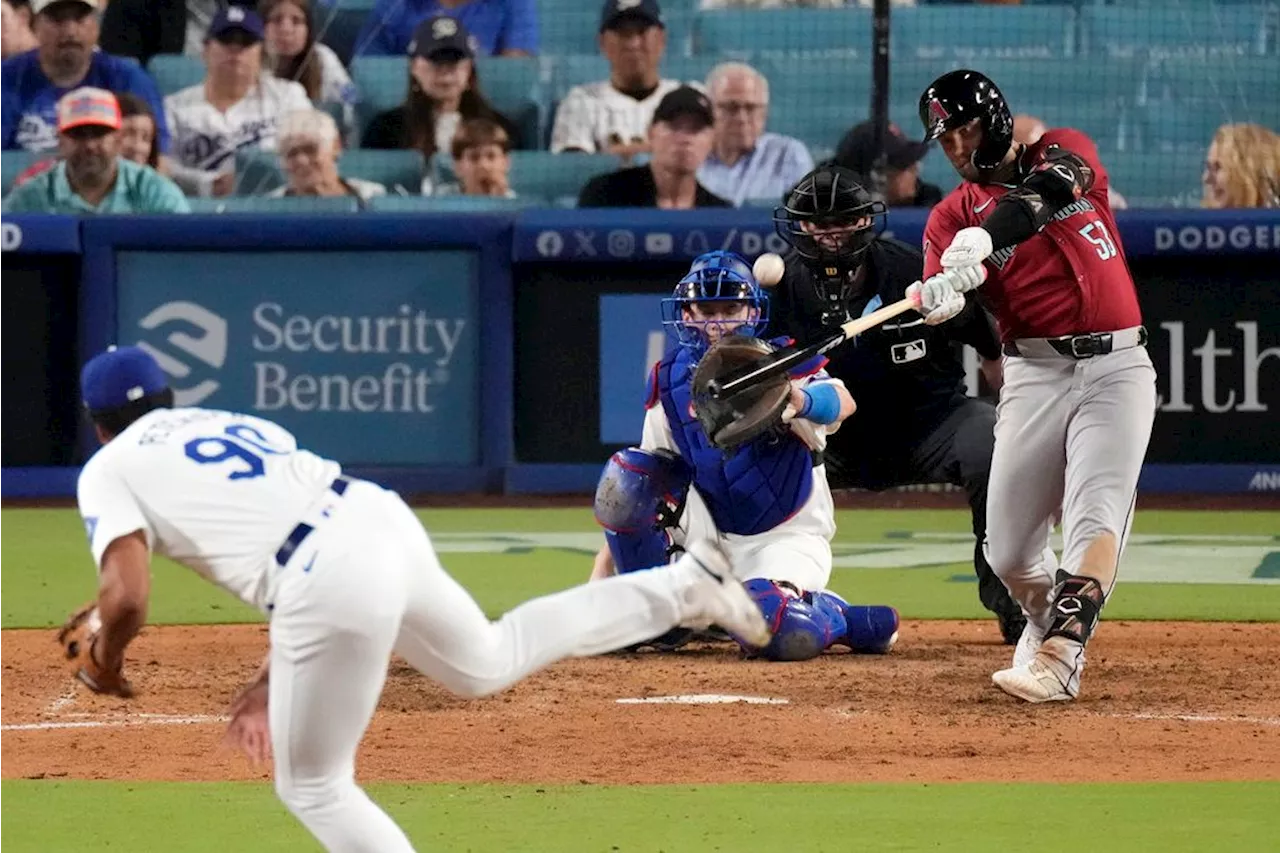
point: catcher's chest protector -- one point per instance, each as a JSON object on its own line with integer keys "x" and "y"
{"x": 751, "y": 490}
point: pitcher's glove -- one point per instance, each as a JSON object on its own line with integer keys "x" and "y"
{"x": 77, "y": 638}
{"x": 752, "y": 412}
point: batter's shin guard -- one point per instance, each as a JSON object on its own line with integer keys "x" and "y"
{"x": 1076, "y": 607}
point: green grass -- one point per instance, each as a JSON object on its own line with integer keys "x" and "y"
{"x": 48, "y": 571}
{"x": 187, "y": 817}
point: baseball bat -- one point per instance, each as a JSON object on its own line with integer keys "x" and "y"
{"x": 784, "y": 360}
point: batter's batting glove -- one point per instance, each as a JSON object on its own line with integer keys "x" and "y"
{"x": 970, "y": 247}
{"x": 946, "y": 302}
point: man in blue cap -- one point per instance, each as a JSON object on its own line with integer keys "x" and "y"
{"x": 346, "y": 575}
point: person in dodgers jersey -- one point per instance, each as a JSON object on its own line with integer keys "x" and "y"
{"x": 1079, "y": 398}
{"x": 766, "y": 500}
{"x": 346, "y": 575}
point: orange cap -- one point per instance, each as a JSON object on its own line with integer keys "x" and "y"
{"x": 88, "y": 106}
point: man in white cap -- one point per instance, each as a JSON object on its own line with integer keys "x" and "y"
{"x": 92, "y": 177}
{"x": 67, "y": 58}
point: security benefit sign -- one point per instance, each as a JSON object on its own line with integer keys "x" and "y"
{"x": 368, "y": 357}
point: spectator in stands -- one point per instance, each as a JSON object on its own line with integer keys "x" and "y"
{"x": 1242, "y": 168}
{"x": 481, "y": 160}
{"x": 680, "y": 138}
{"x": 144, "y": 28}
{"x": 803, "y": 4}
{"x": 237, "y": 106}
{"x": 294, "y": 54}
{"x": 1028, "y": 129}
{"x": 444, "y": 89}
{"x": 67, "y": 58}
{"x": 900, "y": 185}
{"x": 15, "y": 28}
{"x": 92, "y": 177}
{"x": 745, "y": 162}
{"x": 500, "y": 27}
{"x": 139, "y": 131}
{"x": 613, "y": 116}
{"x": 309, "y": 149}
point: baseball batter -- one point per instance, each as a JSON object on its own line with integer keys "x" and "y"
{"x": 1075, "y": 414}
{"x": 766, "y": 500}
{"x": 346, "y": 575}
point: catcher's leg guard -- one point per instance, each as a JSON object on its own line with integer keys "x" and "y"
{"x": 641, "y": 494}
{"x": 801, "y": 630}
{"x": 871, "y": 629}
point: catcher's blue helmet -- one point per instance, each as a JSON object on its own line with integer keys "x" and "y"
{"x": 715, "y": 277}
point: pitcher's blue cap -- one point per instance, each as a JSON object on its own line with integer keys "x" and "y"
{"x": 119, "y": 376}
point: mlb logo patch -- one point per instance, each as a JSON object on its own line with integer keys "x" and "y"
{"x": 909, "y": 351}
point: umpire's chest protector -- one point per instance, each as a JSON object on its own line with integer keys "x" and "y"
{"x": 751, "y": 490}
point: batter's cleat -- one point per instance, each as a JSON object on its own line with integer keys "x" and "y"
{"x": 719, "y": 598}
{"x": 1012, "y": 625}
{"x": 1025, "y": 652}
{"x": 1035, "y": 682}
{"x": 873, "y": 629}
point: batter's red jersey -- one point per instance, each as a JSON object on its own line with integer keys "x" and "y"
{"x": 1071, "y": 278}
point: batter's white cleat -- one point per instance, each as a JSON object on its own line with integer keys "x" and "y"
{"x": 1035, "y": 682}
{"x": 719, "y": 598}
{"x": 1025, "y": 652}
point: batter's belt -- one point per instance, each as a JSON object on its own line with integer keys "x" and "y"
{"x": 1078, "y": 346}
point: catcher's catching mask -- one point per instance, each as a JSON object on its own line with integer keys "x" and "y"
{"x": 716, "y": 284}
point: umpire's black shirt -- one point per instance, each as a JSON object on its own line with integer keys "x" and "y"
{"x": 905, "y": 376}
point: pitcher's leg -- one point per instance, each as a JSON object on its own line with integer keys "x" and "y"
{"x": 328, "y": 663}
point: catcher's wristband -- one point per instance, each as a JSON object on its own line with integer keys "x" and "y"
{"x": 821, "y": 404}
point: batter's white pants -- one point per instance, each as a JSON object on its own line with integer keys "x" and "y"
{"x": 1070, "y": 433}
{"x": 367, "y": 582}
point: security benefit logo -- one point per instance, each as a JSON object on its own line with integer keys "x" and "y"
{"x": 305, "y": 361}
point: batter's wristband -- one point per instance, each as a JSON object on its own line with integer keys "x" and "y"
{"x": 821, "y": 404}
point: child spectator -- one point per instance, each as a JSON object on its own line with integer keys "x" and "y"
{"x": 294, "y": 54}
{"x": 481, "y": 159}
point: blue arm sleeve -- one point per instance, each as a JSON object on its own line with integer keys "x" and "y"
{"x": 821, "y": 403}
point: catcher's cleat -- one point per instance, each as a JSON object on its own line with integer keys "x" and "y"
{"x": 671, "y": 641}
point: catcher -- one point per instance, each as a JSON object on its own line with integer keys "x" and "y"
{"x": 755, "y": 464}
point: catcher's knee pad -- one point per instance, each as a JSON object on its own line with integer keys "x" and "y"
{"x": 801, "y": 631}
{"x": 872, "y": 629}
{"x": 641, "y": 493}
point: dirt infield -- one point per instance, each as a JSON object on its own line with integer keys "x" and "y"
{"x": 1161, "y": 701}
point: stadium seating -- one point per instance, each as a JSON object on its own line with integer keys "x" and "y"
{"x": 174, "y": 72}
{"x": 290, "y": 204}
{"x": 973, "y": 32}
{"x": 747, "y": 33}
{"x": 1183, "y": 100}
{"x": 18, "y": 161}
{"x": 577, "y": 30}
{"x": 258, "y": 172}
{"x": 1156, "y": 179}
{"x": 451, "y": 204}
{"x": 1174, "y": 28}
{"x": 339, "y": 26}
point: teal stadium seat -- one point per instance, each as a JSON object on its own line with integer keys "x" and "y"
{"x": 512, "y": 84}
{"x": 248, "y": 204}
{"x": 577, "y": 69}
{"x": 450, "y": 204}
{"x": 1185, "y": 99}
{"x": 16, "y": 162}
{"x": 174, "y": 72}
{"x": 1156, "y": 179}
{"x": 339, "y": 25}
{"x": 390, "y": 168}
{"x": 970, "y": 33}
{"x": 540, "y": 173}
{"x": 750, "y": 33}
{"x": 1175, "y": 28}
{"x": 577, "y": 28}
{"x": 257, "y": 172}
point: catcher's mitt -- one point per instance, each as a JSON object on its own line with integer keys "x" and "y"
{"x": 752, "y": 412}
{"x": 77, "y": 638}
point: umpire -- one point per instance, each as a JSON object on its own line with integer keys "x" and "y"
{"x": 914, "y": 423}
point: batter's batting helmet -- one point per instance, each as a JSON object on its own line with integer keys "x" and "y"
{"x": 829, "y": 197}
{"x": 959, "y": 97}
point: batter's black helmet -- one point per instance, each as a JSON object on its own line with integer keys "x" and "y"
{"x": 829, "y": 197}
{"x": 959, "y": 97}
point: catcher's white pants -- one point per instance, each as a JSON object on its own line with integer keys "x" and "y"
{"x": 367, "y": 582}
{"x": 797, "y": 551}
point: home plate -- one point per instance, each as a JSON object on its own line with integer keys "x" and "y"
{"x": 703, "y": 699}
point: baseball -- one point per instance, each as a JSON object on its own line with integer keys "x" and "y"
{"x": 768, "y": 269}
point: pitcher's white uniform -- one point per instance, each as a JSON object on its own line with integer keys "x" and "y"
{"x": 798, "y": 550}
{"x": 347, "y": 575}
